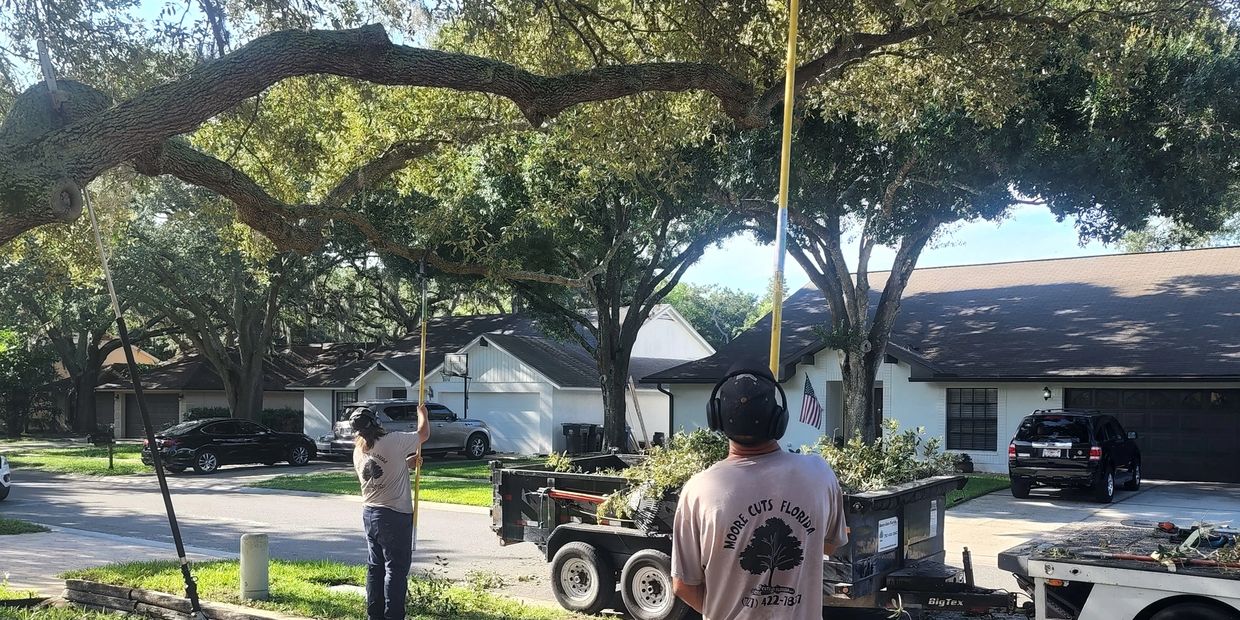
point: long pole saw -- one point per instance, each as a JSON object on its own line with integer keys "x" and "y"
{"x": 122, "y": 331}
{"x": 785, "y": 157}
{"x": 191, "y": 586}
{"x": 417, "y": 467}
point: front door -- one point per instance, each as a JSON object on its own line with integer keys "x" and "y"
{"x": 876, "y": 409}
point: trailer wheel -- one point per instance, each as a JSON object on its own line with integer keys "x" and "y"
{"x": 582, "y": 578}
{"x": 1192, "y": 611}
{"x": 646, "y": 585}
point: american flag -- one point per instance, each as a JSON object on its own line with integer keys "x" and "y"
{"x": 811, "y": 411}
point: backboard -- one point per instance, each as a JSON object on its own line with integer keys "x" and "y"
{"x": 456, "y": 365}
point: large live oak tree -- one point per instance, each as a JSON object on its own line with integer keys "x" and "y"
{"x": 53, "y": 145}
{"x": 1105, "y": 156}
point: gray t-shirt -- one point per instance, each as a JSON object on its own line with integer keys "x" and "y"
{"x": 752, "y": 529}
{"x": 383, "y": 473}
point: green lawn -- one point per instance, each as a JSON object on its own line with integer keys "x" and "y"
{"x": 13, "y": 526}
{"x": 9, "y": 594}
{"x": 434, "y": 488}
{"x": 301, "y": 588}
{"x": 448, "y": 482}
{"x": 977, "y": 486}
{"x": 88, "y": 460}
{"x": 51, "y": 613}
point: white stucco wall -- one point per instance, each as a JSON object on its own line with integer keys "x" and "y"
{"x": 586, "y": 406}
{"x": 664, "y": 336}
{"x": 378, "y": 384}
{"x": 317, "y": 412}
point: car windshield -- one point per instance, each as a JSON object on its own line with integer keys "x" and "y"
{"x": 1054, "y": 427}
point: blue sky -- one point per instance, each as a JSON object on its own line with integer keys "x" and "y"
{"x": 1030, "y": 232}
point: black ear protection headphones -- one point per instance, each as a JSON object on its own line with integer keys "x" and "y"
{"x": 779, "y": 416}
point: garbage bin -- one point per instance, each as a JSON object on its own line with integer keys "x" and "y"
{"x": 594, "y": 442}
{"x": 575, "y": 437}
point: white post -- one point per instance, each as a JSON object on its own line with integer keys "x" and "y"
{"x": 254, "y": 557}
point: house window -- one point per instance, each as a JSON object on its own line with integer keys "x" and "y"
{"x": 344, "y": 399}
{"x": 400, "y": 393}
{"x": 972, "y": 419}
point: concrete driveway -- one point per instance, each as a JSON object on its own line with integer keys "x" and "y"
{"x": 991, "y": 524}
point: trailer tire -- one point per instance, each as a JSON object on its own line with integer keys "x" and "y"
{"x": 1192, "y": 611}
{"x": 582, "y": 579}
{"x": 646, "y": 586}
{"x": 1020, "y": 488}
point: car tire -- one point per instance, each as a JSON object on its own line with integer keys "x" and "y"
{"x": 582, "y": 579}
{"x": 1193, "y": 611}
{"x": 646, "y": 587}
{"x": 4, "y": 492}
{"x": 1104, "y": 488}
{"x": 1020, "y": 488}
{"x": 299, "y": 455}
{"x": 1134, "y": 483}
{"x": 206, "y": 461}
{"x": 174, "y": 469}
{"x": 477, "y": 446}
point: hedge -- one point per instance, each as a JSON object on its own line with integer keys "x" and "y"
{"x": 285, "y": 419}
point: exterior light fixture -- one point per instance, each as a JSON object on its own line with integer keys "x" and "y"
{"x": 1046, "y": 393}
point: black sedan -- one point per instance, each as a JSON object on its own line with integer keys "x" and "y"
{"x": 205, "y": 445}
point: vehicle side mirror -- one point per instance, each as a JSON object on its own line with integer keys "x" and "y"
{"x": 454, "y": 418}
{"x": 1132, "y": 434}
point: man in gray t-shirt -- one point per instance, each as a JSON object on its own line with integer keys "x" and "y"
{"x": 748, "y": 530}
{"x": 382, "y": 461}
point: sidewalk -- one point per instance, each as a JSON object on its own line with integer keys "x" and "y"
{"x": 33, "y": 561}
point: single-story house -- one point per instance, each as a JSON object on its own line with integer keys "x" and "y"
{"x": 190, "y": 382}
{"x": 1153, "y": 339}
{"x": 523, "y": 382}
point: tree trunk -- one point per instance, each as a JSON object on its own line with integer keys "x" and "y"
{"x": 84, "y": 413}
{"x": 859, "y": 376}
{"x": 245, "y": 394}
{"x": 615, "y": 380}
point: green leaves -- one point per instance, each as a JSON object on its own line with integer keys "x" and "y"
{"x": 894, "y": 458}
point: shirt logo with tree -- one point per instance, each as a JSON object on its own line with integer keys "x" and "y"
{"x": 772, "y": 548}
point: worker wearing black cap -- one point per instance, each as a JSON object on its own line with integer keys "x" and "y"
{"x": 749, "y": 529}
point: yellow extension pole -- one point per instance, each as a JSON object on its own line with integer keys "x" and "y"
{"x": 785, "y": 156}
{"x": 417, "y": 470}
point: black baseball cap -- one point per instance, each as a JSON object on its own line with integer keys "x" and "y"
{"x": 748, "y": 400}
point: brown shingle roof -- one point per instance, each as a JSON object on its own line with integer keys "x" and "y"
{"x": 1173, "y": 315}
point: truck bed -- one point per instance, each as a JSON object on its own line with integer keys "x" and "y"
{"x": 1097, "y": 544}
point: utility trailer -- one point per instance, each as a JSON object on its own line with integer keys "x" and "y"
{"x": 894, "y": 558}
{"x": 1107, "y": 571}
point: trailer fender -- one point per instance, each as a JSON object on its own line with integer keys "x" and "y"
{"x": 617, "y": 542}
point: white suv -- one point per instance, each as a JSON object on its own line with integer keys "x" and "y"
{"x": 5, "y": 477}
{"x": 449, "y": 433}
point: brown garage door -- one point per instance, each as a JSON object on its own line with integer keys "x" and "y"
{"x": 1185, "y": 434}
{"x": 164, "y": 408}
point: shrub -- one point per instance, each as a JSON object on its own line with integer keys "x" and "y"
{"x": 285, "y": 420}
{"x": 895, "y": 458}
{"x": 202, "y": 413}
{"x": 666, "y": 469}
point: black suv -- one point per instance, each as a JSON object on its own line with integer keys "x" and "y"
{"x": 1073, "y": 448}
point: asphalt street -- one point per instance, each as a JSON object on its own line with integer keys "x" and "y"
{"x": 214, "y": 511}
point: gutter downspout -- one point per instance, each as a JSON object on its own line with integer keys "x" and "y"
{"x": 671, "y": 410}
